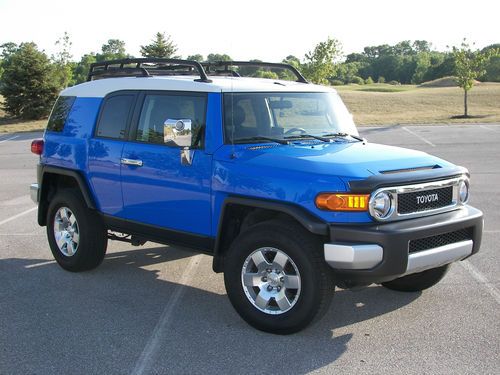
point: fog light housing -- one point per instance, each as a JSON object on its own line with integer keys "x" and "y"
{"x": 463, "y": 191}
{"x": 381, "y": 205}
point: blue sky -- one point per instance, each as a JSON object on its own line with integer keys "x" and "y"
{"x": 268, "y": 30}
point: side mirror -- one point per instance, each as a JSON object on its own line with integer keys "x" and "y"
{"x": 177, "y": 132}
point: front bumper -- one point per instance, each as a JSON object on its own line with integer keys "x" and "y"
{"x": 380, "y": 252}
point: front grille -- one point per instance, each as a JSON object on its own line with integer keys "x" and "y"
{"x": 425, "y": 200}
{"x": 440, "y": 240}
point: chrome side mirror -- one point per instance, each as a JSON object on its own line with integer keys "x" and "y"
{"x": 177, "y": 132}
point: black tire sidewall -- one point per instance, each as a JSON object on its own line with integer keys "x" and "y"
{"x": 294, "y": 246}
{"x": 91, "y": 246}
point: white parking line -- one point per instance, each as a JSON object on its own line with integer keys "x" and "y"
{"x": 481, "y": 279}
{"x": 488, "y": 128}
{"x": 40, "y": 264}
{"x": 18, "y": 215}
{"x": 9, "y": 139}
{"x": 418, "y": 136}
{"x": 150, "y": 351}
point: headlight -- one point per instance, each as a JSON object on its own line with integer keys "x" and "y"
{"x": 463, "y": 191}
{"x": 381, "y": 205}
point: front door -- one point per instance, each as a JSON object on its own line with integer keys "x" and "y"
{"x": 159, "y": 188}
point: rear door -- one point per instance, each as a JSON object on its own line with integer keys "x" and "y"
{"x": 105, "y": 150}
{"x": 158, "y": 187}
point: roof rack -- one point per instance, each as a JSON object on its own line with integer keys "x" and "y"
{"x": 226, "y": 64}
{"x": 146, "y": 67}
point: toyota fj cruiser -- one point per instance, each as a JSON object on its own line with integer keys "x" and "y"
{"x": 268, "y": 176}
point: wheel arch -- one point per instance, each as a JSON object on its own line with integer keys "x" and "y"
{"x": 238, "y": 214}
{"x": 52, "y": 178}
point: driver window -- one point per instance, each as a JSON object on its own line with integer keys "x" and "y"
{"x": 159, "y": 110}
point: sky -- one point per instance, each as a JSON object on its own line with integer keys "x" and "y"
{"x": 266, "y": 30}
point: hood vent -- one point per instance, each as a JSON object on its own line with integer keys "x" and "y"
{"x": 416, "y": 169}
{"x": 263, "y": 147}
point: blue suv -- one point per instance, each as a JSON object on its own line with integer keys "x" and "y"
{"x": 267, "y": 175}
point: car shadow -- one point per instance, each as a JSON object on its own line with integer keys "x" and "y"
{"x": 102, "y": 320}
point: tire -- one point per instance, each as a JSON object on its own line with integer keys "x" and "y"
{"x": 418, "y": 281}
{"x": 82, "y": 246}
{"x": 298, "y": 272}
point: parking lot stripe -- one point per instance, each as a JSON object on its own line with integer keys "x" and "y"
{"x": 481, "y": 279}
{"x": 150, "y": 351}
{"x": 418, "y": 136}
{"x": 488, "y": 128}
{"x": 17, "y": 216}
{"x": 40, "y": 264}
{"x": 9, "y": 139}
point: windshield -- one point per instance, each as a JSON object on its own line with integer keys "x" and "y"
{"x": 284, "y": 116}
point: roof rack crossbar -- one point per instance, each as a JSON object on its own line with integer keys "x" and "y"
{"x": 102, "y": 68}
{"x": 227, "y": 64}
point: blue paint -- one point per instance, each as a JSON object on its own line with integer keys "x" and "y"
{"x": 189, "y": 198}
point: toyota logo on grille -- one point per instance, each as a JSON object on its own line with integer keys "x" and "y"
{"x": 422, "y": 199}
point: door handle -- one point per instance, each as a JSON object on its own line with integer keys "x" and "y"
{"x": 134, "y": 162}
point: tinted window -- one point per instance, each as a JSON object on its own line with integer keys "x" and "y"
{"x": 159, "y": 111}
{"x": 114, "y": 116}
{"x": 59, "y": 113}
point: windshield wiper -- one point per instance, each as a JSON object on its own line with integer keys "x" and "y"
{"x": 344, "y": 135}
{"x": 262, "y": 138}
{"x": 306, "y": 135}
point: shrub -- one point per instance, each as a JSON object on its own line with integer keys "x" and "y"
{"x": 381, "y": 79}
{"x": 369, "y": 80}
{"x": 393, "y": 82}
{"x": 29, "y": 85}
{"x": 336, "y": 82}
{"x": 357, "y": 80}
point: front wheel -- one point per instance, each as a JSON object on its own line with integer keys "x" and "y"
{"x": 418, "y": 281}
{"x": 276, "y": 277}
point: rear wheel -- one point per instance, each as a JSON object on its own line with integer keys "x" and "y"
{"x": 76, "y": 234}
{"x": 418, "y": 281}
{"x": 276, "y": 277}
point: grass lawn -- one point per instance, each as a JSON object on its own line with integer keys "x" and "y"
{"x": 381, "y": 104}
{"x": 409, "y": 104}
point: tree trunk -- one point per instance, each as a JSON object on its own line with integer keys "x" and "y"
{"x": 465, "y": 104}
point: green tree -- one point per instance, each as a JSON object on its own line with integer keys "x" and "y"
{"x": 196, "y": 57}
{"x": 493, "y": 65}
{"x": 423, "y": 63}
{"x": 214, "y": 57}
{"x": 320, "y": 63}
{"x": 63, "y": 69}
{"x": 112, "y": 50}
{"x": 28, "y": 84}
{"x": 160, "y": 47}
{"x": 81, "y": 69}
{"x": 469, "y": 65}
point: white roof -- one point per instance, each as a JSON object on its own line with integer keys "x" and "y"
{"x": 102, "y": 87}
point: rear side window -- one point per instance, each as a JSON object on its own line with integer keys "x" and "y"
{"x": 114, "y": 116}
{"x": 59, "y": 113}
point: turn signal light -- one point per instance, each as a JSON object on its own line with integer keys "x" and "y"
{"x": 342, "y": 202}
{"x": 37, "y": 146}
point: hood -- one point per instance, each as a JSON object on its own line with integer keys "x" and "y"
{"x": 342, "y": 159}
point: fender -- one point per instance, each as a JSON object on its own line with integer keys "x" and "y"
{"x": 310, "y": 222}
{"x": 43, "y": 171}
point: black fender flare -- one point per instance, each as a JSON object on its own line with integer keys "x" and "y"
{"x": 43, "y": 171}
{"x": 309, "y": 221}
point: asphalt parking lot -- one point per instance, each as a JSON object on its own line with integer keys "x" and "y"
{"x": 159, "y": 310}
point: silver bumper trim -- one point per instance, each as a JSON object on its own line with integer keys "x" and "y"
{"x": 34, "y": 192}
{"x": 353, "y": 257}
{"x": 438, "y": 256}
